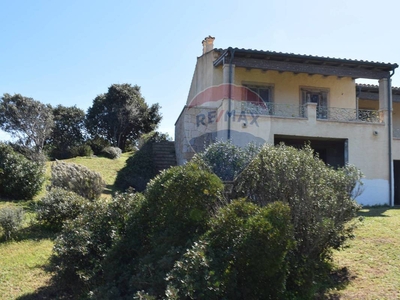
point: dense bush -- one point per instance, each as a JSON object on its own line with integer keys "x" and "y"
{"x": 226, "y": 160}
{"x": 273, "y": 245}
{"x": 111, "y": 152}
{"x": 77, "y": 178}
{"x": 10, "y": 220}
{"x": 81, "y": 150}
{"x": 242, "y": 256}
{"x": 97, "y": 145}
{"x": 58, "y": 206}
{"x": 153, "y": 137}
{"x": 84, "y": 241}
{"x": 29, "y": 153}
{"x": 20, "y": 178}
{"x": 139, "y": 168}
{"x": 320, "y": 200}
{"x": 179, "y": 203}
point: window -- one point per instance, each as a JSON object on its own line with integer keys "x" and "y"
{"x": 256, "y": 94}
{"x": 319, "y": 96}
{"x": 257, "y": 99}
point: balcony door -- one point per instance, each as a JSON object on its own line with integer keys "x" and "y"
{"x": 318, "y": 96}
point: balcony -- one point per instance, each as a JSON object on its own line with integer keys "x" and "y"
{"x": 335, "y": 114}
{"x": 275, "y": 109}
{"x": 348, "y": 114}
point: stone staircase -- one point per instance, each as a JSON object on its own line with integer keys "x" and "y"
{"x": 164, "y": 155}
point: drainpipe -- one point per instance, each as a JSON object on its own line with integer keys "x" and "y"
{"x": 232, "y": 51}
{"x": 357, "y": 98}
{"x": 391, "y": 185}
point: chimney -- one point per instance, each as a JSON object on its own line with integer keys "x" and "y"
{"x": 208, "y": 44}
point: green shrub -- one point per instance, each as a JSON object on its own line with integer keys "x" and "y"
{"x": 226, "y": 160}
{"x": 97, "y": 144}
{"x": 20, "y": 177}
{"x": 77, "y": 178}
{"x": 153, "y": 137}
{"x": 69, "y": 151}
{"x": 320, "y": 200}
{"x": 139, "y": 168}
{"x": 28, "y": 153}
{"x": 179, "y": 203}
{"x": 83, "y": 243}
{"x": 242, "y": 256}
{"x": 111, "y": 152}
{"x": 10, "y": 220}
{"x": 184, "y": 196}
{"x": 81, "y": 150}
{"x": 138, "y": 171}
{"x": 58, "y": 206}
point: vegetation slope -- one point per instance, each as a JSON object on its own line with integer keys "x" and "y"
{"x": 368, "y": 269}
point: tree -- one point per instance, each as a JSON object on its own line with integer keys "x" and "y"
{"x": 26, "y": 119}
{"x": 121, "y": 115}
{"x": 69, "y": 123}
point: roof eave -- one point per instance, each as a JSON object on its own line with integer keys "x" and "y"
{"x": 309, "y": 59}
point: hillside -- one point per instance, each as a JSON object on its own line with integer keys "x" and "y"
{"x": 370, "y": 266}
{"x": 23, "y": 262}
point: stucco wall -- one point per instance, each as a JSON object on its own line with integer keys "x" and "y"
{"x": 367, "y": 143}
{"x": 205, "y": 75}
{"x": 368, "y": 104}
{"x": 396, "y": 149}
{"x": 396, "y": 119}
{"x": 287, "y": 86}
{"x": 365, "y": 140}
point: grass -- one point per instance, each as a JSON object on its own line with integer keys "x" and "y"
{"x": 22, "y": 266}
{"x": 24, "y": 261}
{"x": 369, "y": 267}
{"x": 372, "y": 260}
{"x": 106, "y": 167}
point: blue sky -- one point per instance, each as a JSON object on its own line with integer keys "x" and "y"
{"x": 68, "y": 52}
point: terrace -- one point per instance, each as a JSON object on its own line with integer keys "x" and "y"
{"x": 322, "y": 113}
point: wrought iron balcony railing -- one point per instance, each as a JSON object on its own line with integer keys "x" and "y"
{"x": 348, "y": 114}
{"x": 300, "y": 111}
{"x": 275, "y": 109}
